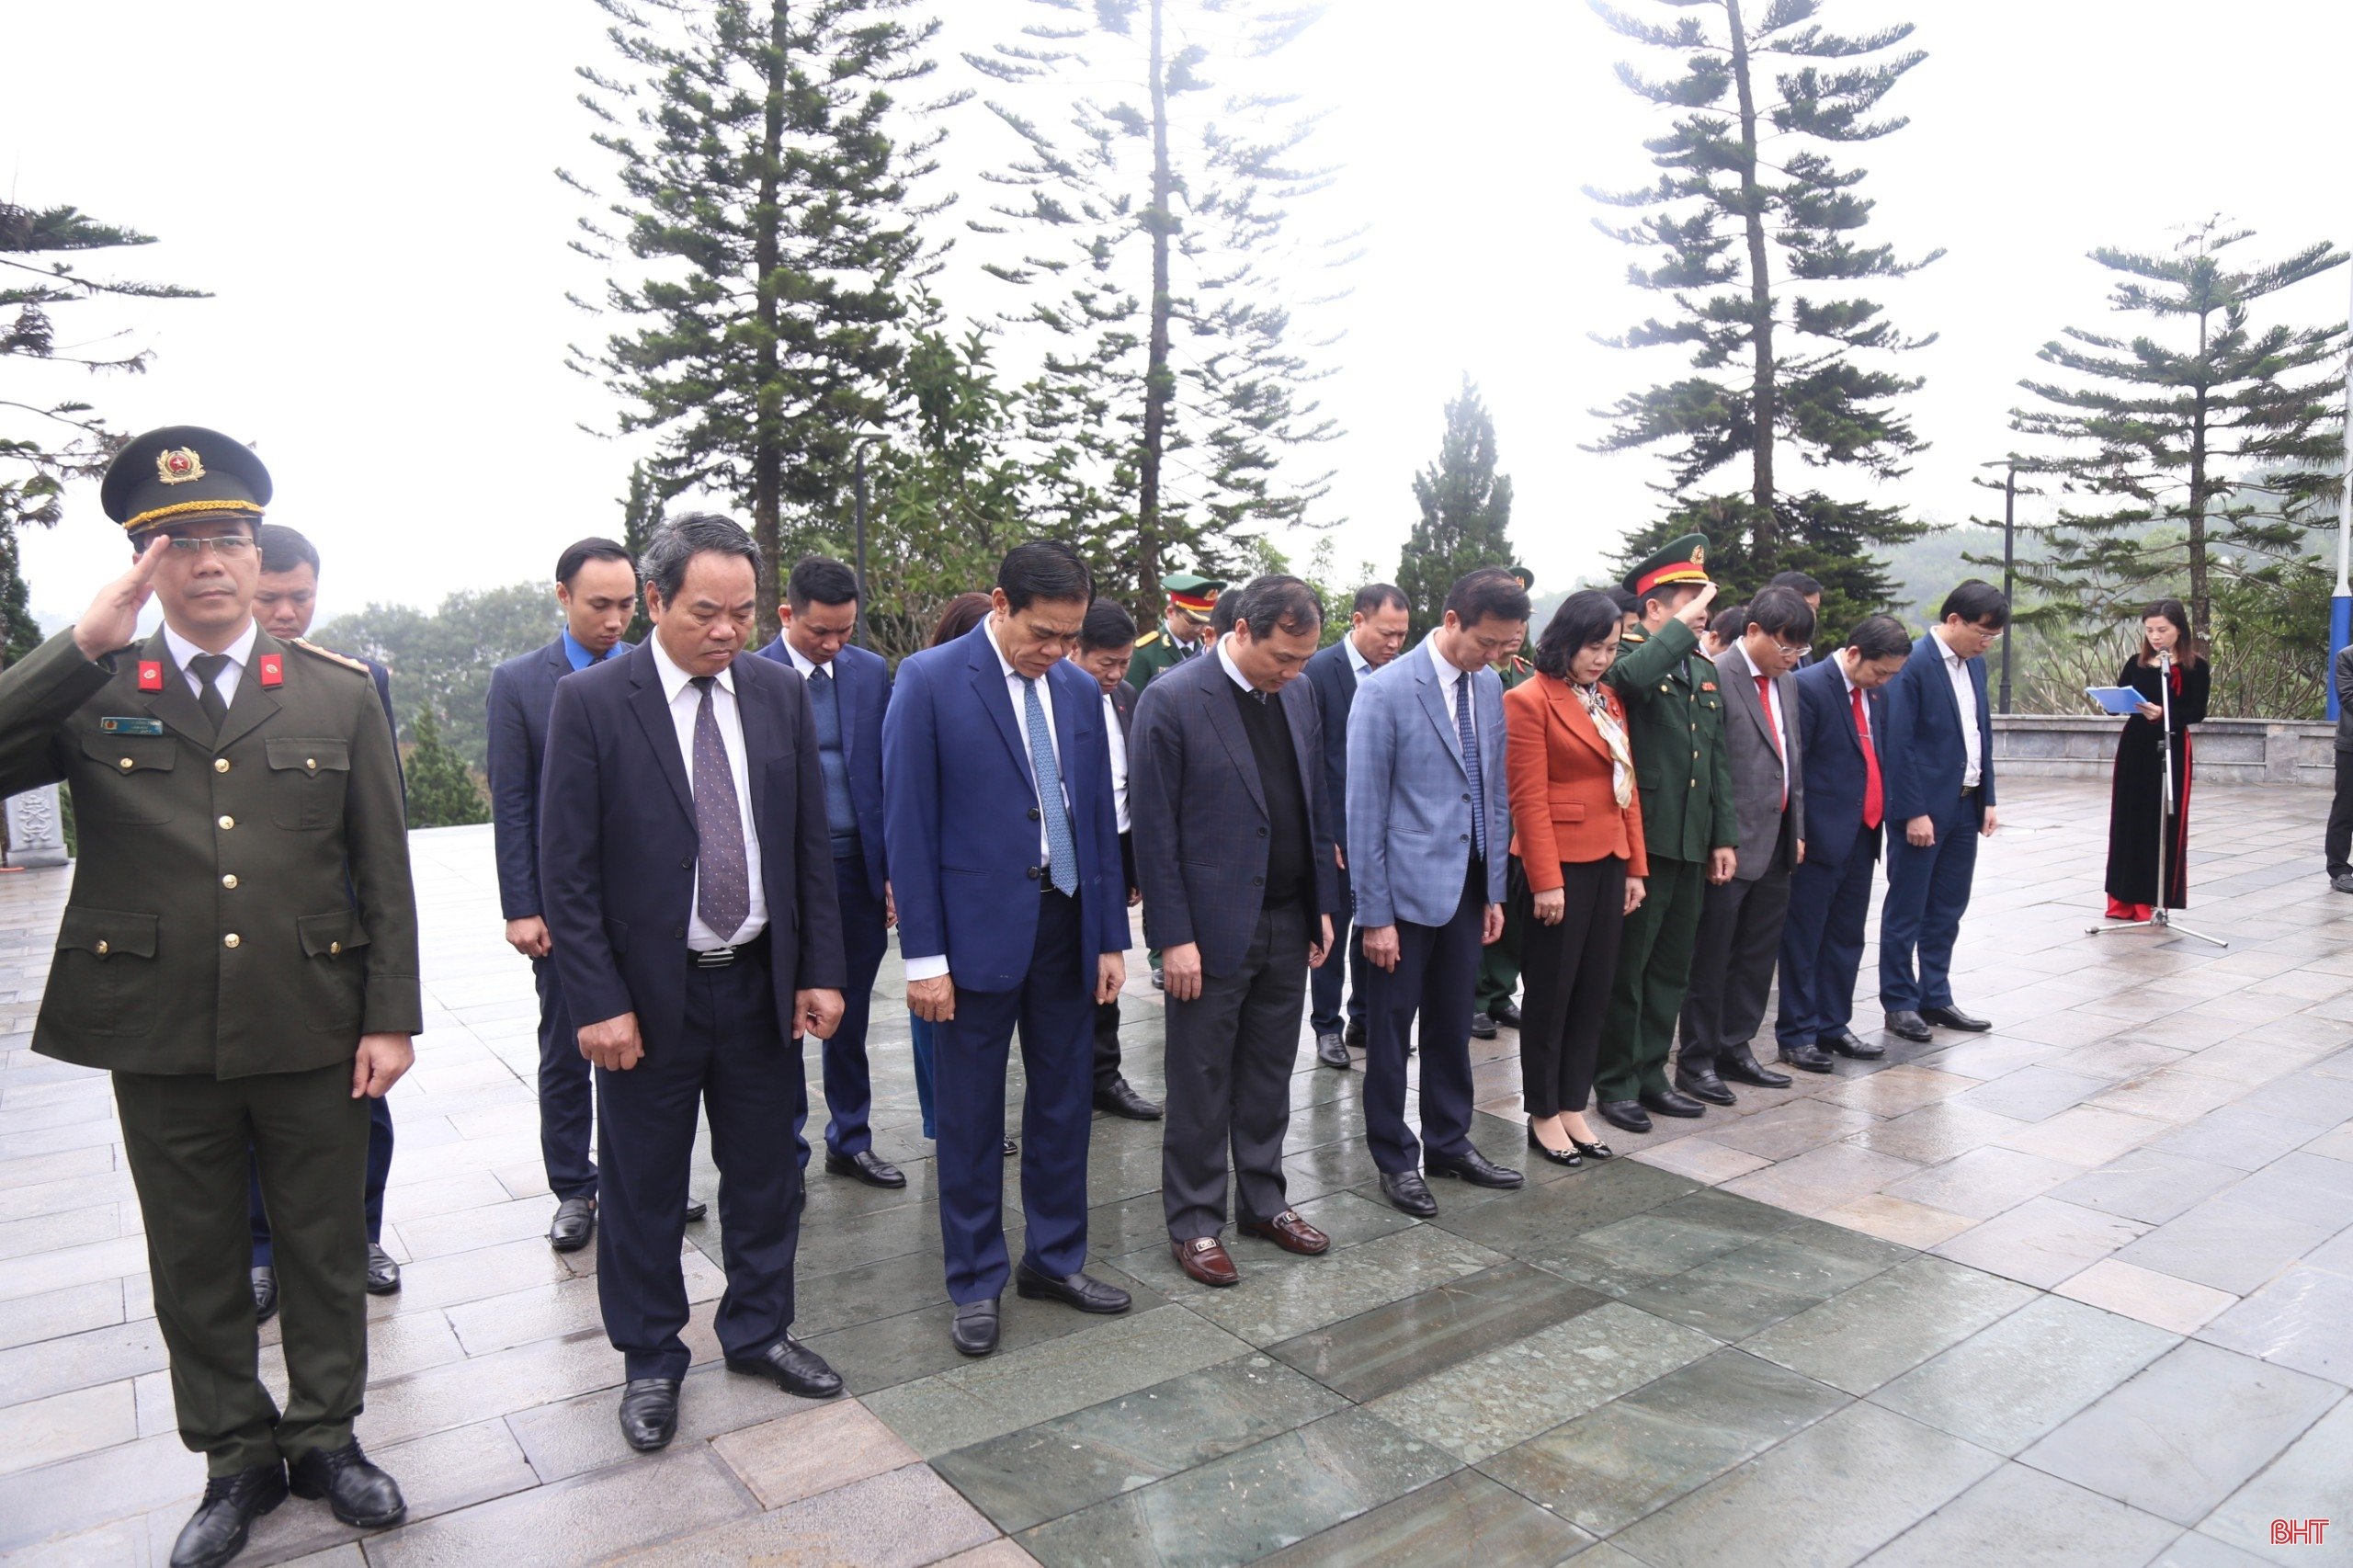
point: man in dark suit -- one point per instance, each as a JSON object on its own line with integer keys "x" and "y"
{"x": 1939, "y": 765}
{"x": 1376, "y": 634}
{"x": 1005, "y": 856}
{"x": 689, "y": 871}
{"x": 1106, "y": 644}
{"x": 596, "y": 587}
{"x": 1842, "y": 714}
{"x": 1740, "y": 919}
{"x": 848, "y": 689}
{"x": 1234, "y": 843}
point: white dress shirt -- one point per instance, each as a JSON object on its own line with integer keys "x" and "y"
{"x": 1357, "y": 661}
{"x": 1774, "y": 716}
{"x": 1448, "y": 672}
{"x": 241, "y": 654}
{"x": 1119, "y": 760}
{"x": 1233, "y": 671}
{"x": 1964, "y": 695}
{"x": 679, "y": 691}
{"x": 802, "y": 662}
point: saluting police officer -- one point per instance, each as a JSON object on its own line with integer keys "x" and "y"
{"x": 240, "y": 951}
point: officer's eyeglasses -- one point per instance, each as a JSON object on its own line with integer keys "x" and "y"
{"x": 230, "y": 547}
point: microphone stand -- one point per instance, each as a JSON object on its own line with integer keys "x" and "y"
{"x": 2160, "y": 914}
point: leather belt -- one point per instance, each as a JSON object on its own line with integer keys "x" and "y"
{"x": 722, "y": 957}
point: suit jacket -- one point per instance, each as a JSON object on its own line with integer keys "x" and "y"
{"x": 1923, "y": 758}
{"x": 1409, "y": 839}
{"x": 1333, "y": 679}
{"x": 522, "y": 690}
{"x": 1200, "y": 808}
{"x": 1835, "y": 771}
{"x": 1565, "y": 805}
{"x": 862, "y": 686}
{"x": 962, "y": 814}
{"x": 618, "y": 842}
{"x": 1757, "y": 774}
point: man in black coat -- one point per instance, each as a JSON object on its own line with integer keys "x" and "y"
{"x": 1376, "y": 634}
{"x": 689, "y": 872}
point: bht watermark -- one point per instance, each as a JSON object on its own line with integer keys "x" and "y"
{"x": 2298, "y": 1532}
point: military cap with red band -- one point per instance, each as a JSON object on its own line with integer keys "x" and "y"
{"x": 1197, "y": 597}
{"x": 1684, "y": 560}
{"x": 182, "y": 473}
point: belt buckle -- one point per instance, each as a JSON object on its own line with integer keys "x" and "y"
{"x": 715, "y": 957}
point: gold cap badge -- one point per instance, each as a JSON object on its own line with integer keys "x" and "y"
{"x": 1699, "y": 555}
{"x": 180, "y": 465}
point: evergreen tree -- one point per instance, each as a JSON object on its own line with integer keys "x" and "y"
{"x": 1760, "y": 261}
{"x": 2210, "y": 453}
{"x": 1466, "y": 510}
{"x": 1152, "y": 201}
{"x": 766, "y": 214}
{"x": 441, "y": 791}
{"x": 641, "y": 517}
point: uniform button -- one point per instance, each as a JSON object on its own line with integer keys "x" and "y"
{"x": 228, "y": 822}
{"x": 126, "y": 765}
{"x": 334, "y": 949}
{"x": 311, "y": 762}
{"x": 102, "y": 947}
{"x": 230, "y": 881}
{"x": 220, "y": 764}
{"x": 230, "y": 940}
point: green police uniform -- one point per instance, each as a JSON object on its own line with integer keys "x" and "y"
{"x": 1190, "y": 596}
{"x": 1675, "y": 722}
{"x": 241, "y": 914}
{"x": 1499, "y": 961}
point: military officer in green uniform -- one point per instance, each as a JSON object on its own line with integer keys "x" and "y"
{"x": 240, "y": 951}
{"x": 1191, "y": 601}
{"x": 1497, "y": 998}
{"x": 1675, "y": 715}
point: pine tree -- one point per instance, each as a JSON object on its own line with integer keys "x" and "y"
{"x": 1466, "y": 510}
{"x": 1760, "y": 259}
{"x": 766, "y": 214}
{"x": 2210, "y": 453}
{"x": 641, "y": 517}
{"x": 1163, "y": 269}
{"x": 441, "y": 791}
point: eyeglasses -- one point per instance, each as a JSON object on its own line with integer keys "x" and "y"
{"x": 229, "y": 547}
{"x": 1800, "y": 651}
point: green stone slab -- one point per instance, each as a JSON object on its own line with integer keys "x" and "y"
{"x": 1282, "y": 1300}
{"x": 1464, "y": 1518}
{"x": 1757, "y": 1285}
{"x": 2008, "y": 1384}
{"x": 883, "y": 1352}
{"x": 1889, "y": 1324}
{"x": 1524, "y": 1224}
{"x": 1382, "y": 1350}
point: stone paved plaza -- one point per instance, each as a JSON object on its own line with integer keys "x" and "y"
{"x": 2077, "y": 1292}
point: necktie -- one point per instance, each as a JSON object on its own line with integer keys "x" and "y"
{"x": 208, "y": 668}
{"x": 1061, "y": 852}
{"x": 1873, "y": 802}
{"x": 1764, "y": 700}
{"x": 1470, "y": 733}
{"x": 724, "y": 883}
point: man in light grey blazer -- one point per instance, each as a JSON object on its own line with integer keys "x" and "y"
{"x": 1740, "y": 920}
{"x": 1429, "y": 834}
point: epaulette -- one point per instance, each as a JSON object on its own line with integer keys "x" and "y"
{"x": 346, "y": 660}
{"x": 1149, "y": 637}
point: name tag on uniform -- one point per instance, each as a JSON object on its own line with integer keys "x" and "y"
{"x": 131, "y": 726}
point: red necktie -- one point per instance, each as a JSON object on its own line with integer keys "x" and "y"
{"x": 1872, "y": 802}
{"x": 1765, "y": 695}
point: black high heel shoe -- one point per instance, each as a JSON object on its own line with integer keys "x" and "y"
{"x": 1591, "y": 1151}
{"x": 1571, "y": 1157}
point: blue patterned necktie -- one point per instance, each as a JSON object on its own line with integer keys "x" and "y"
{"x": 723, "y": 891}
{"x": 1470, "y": 733}
{"x": 1062, "y": 853}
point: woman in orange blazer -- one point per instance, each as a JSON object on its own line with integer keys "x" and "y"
{"x": 1578, "y": 833}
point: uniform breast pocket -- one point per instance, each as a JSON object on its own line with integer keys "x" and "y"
{"x": 126, "y": 779}
{"x": 105, "y": 981}
{"x": 307, "y": 778}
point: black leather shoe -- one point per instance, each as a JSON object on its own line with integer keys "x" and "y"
{"x": 1159, "y": 981}
{"x": 1847, "y": 1042}
{"x": 1408, "y": 1193}
{"x": 1808, "y": 1058}
{"x": 975, "y": 1330}
{"x": 1507, "y": 1015}
{"x": 1742, "y": 1067}
{"x": 650, "y": 1413}
{"x": 1012, "y": 1147}
{"x": 1331, "y": 1052}
{"x": 792, "y": 1367}
{"x": 1593, "y": 1151}
{"x": 216, "y": 1531}
{"x": 1704, "y": 1084}
{"x": 1482, "y": 1026}
{"x": 1954, "y": 1019}
{"x": 1120, "y": 1098}
{"x": 265, "y": 1294}
{"x": 357, "y": 1492}
{"x": 866, "y": 1165}
{"x": 695, "y": 1209}
{"x": 575, "y": 1223}
{"x": 1088, "y": 1295}
{"x": 1568, "y": 1156}
{"x": 1911, "y": 1027}
{"x": 1668, "y": 1102}
{"x": 383, "y": 1274}
{"x": 1473, "y": 1167}
{"x": 1353, "y": 1038}
{"x": 1626, "y": 1114}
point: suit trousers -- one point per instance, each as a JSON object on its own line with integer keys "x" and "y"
{"x": 1340, "y": 972}
{"x": 1230, "y": 1056}
{"x": 1570, "y": 968}
{"x": 866, "y": 936}
{"x": 191, "y": 1141}
{"x": 1107, "y": 1014}
{"x": 1055, "y": 1015}
{"x": 734, "y": 1057}
{"x": 380, "y": 1171}
{"x": 2339, "y": 843}
{"x": 567, "y": 1121}
{"x": 1821, "y": 944}
{"x": 1438, "y": 966}
{"x": 1927, "y": 893}
{"x": 1735, "y": 946}
{"x": 1654, "y": 969}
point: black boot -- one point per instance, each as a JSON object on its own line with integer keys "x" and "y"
{"x": 216, "y": 1531}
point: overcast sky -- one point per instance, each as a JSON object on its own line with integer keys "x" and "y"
{"x": 368, "y": 195}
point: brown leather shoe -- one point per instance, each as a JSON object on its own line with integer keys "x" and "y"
{"x": 1289, "y": 1231}
{"x": 1204, "y": 1258}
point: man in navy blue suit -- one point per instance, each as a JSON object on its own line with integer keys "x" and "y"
{"x": 689, "y": 871}
{"x": 848, "y": 689}
{"x": 1842, "y": 723}
{"x": 1013, "y": 911}
{"x": 1939, "y": 765}
{"x": 1376, "y": 634}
